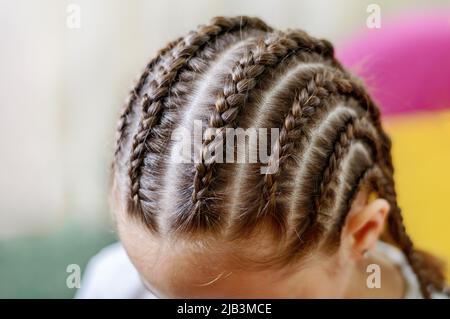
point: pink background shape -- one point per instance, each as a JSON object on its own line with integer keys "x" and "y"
{"x": 406, "y": 63}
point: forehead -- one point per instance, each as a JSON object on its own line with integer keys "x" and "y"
{"x": 180, "y": 269}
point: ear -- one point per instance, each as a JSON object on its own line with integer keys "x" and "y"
{"x": 364, "y": 225}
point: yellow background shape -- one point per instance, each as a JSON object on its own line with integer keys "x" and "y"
{"x": 421, "y": 153}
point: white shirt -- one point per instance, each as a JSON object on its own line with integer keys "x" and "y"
{"x": 110, "y": 274}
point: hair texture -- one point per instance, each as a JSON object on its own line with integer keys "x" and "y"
{"x": 239, "y": 72}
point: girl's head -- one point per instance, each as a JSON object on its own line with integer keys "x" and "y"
{"x": 293, "y": 225}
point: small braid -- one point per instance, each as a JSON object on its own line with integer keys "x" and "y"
{"x": 152, "y": 102}
{"x": 360, "y": 94}
{"x": 356, "y": 129}
{"x": 243, "y": 78}
{"x": 311, "y": 230}
{"x": 429, "y": 278}
{"x": 134, "y": 94}
{"x": 366, "y": 177}
{"x": 317, "y": 88}
{"x": 341, "y": 147}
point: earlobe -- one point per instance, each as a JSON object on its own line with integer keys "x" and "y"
{"x": 365, "y": 225}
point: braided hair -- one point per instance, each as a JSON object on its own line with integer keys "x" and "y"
{"x": 239, "y": 72}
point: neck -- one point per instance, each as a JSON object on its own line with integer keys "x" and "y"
{"x": 392, "y": 283}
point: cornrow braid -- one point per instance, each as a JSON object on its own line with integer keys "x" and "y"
{"x": 152, "y": 104}
{"x": 355, "y": 129}
{"x": 135, "y": 92}
{"x": 317, "y": 88}
{"x": 365, "y": 177}
{"x": 313, "y": 225}
{"x": 243, "y": 78}
{"x": 360, "y": 94}
{"x": 430, "y": 278}
{"x": 341, "y": 147}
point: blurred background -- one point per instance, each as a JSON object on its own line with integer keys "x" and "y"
{"x": 62, "y": 85}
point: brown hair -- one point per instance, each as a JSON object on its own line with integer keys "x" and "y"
{"x": 239, "y": 72}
